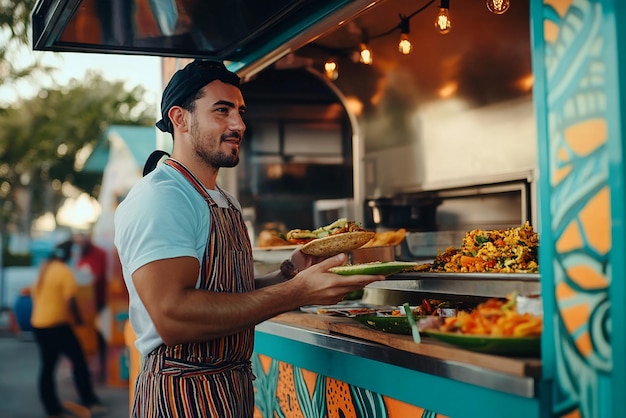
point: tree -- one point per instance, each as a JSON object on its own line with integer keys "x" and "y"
{"x": 15, "y": 18}
{"x": 42, "y": 137}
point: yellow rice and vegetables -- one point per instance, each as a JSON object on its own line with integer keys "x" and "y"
{"x": 511, "y": 250}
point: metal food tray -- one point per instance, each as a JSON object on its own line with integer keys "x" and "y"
{"x": 471, "y": 284}
{"x": 531, "y": 277}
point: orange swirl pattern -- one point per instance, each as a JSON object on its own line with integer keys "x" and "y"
{"x": 285, "y": 390}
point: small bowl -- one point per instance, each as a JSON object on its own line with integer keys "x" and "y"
{"x": 372, "y": 254}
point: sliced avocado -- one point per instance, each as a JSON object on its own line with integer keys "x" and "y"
{"x": 338, "y": 224}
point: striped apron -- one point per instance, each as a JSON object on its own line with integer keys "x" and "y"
{"x": 212, "y": 378}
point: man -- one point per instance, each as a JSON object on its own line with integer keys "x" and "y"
{"x": 187, "y": 261}
{"x": 55, "y": 311}
{"x": 95, "y": 259}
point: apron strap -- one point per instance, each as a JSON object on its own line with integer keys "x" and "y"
{"x": 190, "y": 177}
{"x": 153, "y": 160}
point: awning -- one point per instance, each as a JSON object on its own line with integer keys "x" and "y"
{"x": 246, "y": 34}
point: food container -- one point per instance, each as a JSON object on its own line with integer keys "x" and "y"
{"x": 372, "y": 254}
{"x": 429, "y": 244}
{"x": 529, "y": 304}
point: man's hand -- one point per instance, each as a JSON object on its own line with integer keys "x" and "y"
{"x": 302, "y": 261}
{"x": 317, "y": 286}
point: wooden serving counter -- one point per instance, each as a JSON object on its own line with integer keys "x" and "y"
{"x": 523, "y": 367}
{"x": 380, "y": 369}
{"x": 366, "y": 365}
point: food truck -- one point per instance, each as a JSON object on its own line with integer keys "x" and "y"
{"x": 502, "y": 120}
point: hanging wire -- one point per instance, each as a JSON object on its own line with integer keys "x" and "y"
{"x": 365, "y": 56}
{"x": 402, "y": 18}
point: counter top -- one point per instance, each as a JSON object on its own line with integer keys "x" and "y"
{"x": 518, "y": 376}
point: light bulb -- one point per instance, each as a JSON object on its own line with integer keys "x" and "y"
{"x": 498, "y": 7}
{"x": 366, "y": 55}
{"x": 404, "y": 46}
{"x": 443, "y": 23}
{"x": 331, "y": 69}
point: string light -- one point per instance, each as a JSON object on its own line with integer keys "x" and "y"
{"x": 404, "y": 46}
{"x": 365, "y": 54}
{"x": 498, "y": 7}
{"x": 331, "y": 69}
{"x": 443, "y": 23}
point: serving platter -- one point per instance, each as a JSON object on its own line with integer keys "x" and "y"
{"x": 462, "y": 284}
{"x": 385, "y": 268}
{"x": 510, "y": 346}
{"x": 346, "y": 308}
{"x": 395, "y": 324}
{"x": 528, "y": 277}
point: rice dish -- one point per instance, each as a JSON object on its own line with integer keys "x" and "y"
{"x": 499, "y": 251}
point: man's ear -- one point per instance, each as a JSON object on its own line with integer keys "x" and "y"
{"x": 177, "y": 116}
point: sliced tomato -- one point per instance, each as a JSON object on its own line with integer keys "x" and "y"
{"x": 300, "y": 241}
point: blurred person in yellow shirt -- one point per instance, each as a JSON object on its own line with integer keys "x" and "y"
{"x": 54, "y": 312}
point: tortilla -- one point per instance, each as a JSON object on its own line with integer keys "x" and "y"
{"x": 335, "y": 244}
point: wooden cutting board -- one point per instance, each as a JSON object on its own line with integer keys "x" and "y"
{"x": 528, "y": 367}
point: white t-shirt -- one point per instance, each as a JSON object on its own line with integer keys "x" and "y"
{"x": 163, "y": 216}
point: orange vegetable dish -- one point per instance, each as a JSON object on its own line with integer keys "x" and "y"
{"x": 496, "y": 318}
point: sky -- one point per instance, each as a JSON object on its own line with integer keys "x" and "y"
{"x": 133, "y": 70}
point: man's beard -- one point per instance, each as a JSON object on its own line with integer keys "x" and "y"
{"x": 217, "y": 158}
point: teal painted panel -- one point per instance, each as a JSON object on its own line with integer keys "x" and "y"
{"x": 577, "y": 82}
{"x": 282, "y": 35}
{"x": 444, "y": 396}
{"x": 543, "y": 198}
{"x": 614, "y": 17}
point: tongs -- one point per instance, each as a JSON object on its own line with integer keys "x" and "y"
{"x": 414, "y": 329}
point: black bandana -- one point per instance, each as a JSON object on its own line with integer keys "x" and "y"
{"x": 187, "y": 81}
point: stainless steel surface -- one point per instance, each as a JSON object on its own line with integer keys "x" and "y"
{"x": 267, "y": 259}
{"x": 520, "y": 386}
{"x": 471, "y": 277}
{"x": 409, "y": 126}
{"x": 383, "y": 297}
{"x": 468, "y": 284}
{"x": 429, "y": 244}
